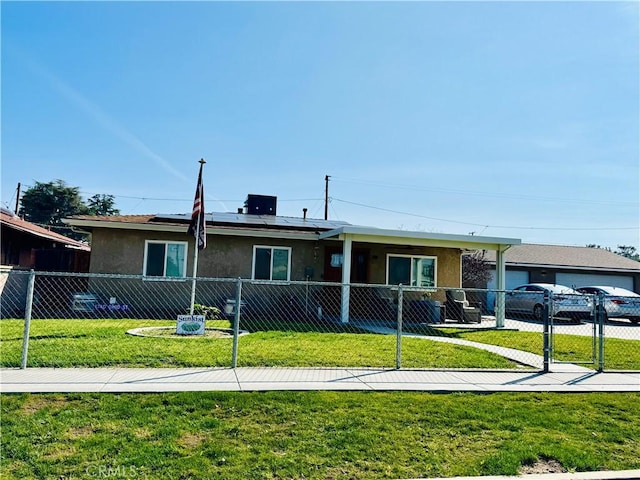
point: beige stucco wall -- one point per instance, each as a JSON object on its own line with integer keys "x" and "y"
{"x": 122, "y": 251}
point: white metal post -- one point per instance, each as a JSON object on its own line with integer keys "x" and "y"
{"x": 236, "y": 324}
{"x": 399, "y": 329}
{"x": 27, "y": 319}
{"x": 346, "y": 279}
{"x": 500, "y": 287}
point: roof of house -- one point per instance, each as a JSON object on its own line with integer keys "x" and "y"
{"x": 287, "y": 227}
{"x": 561, "y": 256}
{"x": 16, "y": 223}
{"x": 217, "y": 223}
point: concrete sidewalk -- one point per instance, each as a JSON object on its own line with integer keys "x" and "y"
{"x": 564, "y": 379}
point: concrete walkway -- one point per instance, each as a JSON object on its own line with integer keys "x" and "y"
{"x": 264, "y": 379}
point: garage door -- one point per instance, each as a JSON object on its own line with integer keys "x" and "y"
{"x": 513, "y": 279}
{"x": 585, "y": 279}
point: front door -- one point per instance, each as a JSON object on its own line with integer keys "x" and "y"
{"x": 333, "y": 265}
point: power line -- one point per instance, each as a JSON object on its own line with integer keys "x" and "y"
{"x": 483, "y": 194}
{"x": 481, "y": 224}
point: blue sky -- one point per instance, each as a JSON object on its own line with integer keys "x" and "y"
{"x": 512, "y": 119}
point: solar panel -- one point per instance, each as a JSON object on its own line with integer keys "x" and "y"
{"x": 259, "y": 220}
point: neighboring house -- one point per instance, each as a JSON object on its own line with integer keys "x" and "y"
{"x": 273, "y": 248}
{"x": 566, "y": 265}
{"x": 29, "y": 246}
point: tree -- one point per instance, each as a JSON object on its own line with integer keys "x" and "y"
{"x": 103, "y": 205}
{"x": 629, "y": 252}
{"x": 476, "y": 271}
{"x": 48, "y": 203}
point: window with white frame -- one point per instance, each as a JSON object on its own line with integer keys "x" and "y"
{"x": 271, "y": 263}
{"x": 411, "y": 270}
{"x": 165, "y": 259}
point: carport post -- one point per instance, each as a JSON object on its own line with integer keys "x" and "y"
{"x": 27, "y": 319}
{"x": 346, "y": 279}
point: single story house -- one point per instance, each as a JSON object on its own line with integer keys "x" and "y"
{"x": 565, "y": 265}
{"x": 254, "y": 245}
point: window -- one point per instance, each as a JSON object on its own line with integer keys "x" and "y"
{"x": 271, "y": 263}
{"x": 165, "y": 259}
{"x": 411, "y": 271}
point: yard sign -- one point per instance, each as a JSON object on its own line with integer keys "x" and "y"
{"x": 190, "y": 325}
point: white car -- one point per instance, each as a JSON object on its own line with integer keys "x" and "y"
{"x": 618, "y": 302}
{"x": 566, "y": 302}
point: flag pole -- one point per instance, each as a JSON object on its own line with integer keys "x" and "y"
{"x": 196, "y": 248}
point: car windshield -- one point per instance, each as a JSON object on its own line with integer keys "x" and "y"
{"x": 619, "y": 292}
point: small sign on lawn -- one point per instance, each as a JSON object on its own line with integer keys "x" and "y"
{"x": 190, "y": 325}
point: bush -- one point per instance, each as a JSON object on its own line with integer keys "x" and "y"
{"x": 209, "y": 312}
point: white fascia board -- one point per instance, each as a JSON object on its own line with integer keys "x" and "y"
{"x": 153, "y": 227}
{"x": 402, "y": 237}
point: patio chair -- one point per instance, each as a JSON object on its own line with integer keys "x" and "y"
{"x": 459, "y": 308}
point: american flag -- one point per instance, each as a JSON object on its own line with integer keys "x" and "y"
{"x": 197, "y": 227}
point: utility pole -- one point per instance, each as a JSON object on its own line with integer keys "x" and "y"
{"x": 326, "y": 197}
{"x": 17, "y": 198}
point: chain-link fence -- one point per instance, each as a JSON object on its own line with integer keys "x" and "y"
{"x": 62, "y": 320}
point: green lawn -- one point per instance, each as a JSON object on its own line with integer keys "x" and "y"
{"x": 96, "y": 343}
{"x": 313, "y": 435}
{"x": 619, "y": 354}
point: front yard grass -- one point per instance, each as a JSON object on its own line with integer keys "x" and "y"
{"x": 104, "y": 343}
{"x": 619, "y": 354}
{"x": 313, "y": 435}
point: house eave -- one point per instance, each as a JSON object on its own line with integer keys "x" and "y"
{"x": 379, "y": 235}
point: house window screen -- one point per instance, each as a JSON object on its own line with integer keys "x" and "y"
{"x": 411, "y": 271}
{"x": 165, "y": 259}
{"x": 271, "y": 263}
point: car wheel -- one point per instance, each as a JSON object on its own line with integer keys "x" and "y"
{"x": 538, "y": 312}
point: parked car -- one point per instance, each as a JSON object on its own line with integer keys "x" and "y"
{"x": 618, "y": 302}
{"x": 529, "y": 300}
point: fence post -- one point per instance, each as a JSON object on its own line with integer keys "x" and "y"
{"x": 27, "y": 319}
{"x": 399, "y": 330}
{"x": 600, "y": 316}
{"x": 546, "y": 335}
{"x": 236, "y": 324}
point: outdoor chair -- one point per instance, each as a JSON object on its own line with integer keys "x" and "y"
{"x": 460, "y": 309}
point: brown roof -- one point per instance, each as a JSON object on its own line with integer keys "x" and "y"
{"x": 17, "y": 223}
{"x": 528, "y": 254}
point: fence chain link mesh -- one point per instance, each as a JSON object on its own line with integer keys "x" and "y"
{"x": 116, "y": 320}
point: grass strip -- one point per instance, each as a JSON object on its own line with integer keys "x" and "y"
{"x": 313, "y": 435}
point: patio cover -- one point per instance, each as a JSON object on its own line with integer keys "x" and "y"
{"x": 352, "y": 233}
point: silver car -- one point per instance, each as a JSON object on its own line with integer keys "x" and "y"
{"x": 618, "y": 302}
{"x": 566, "y": 302}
